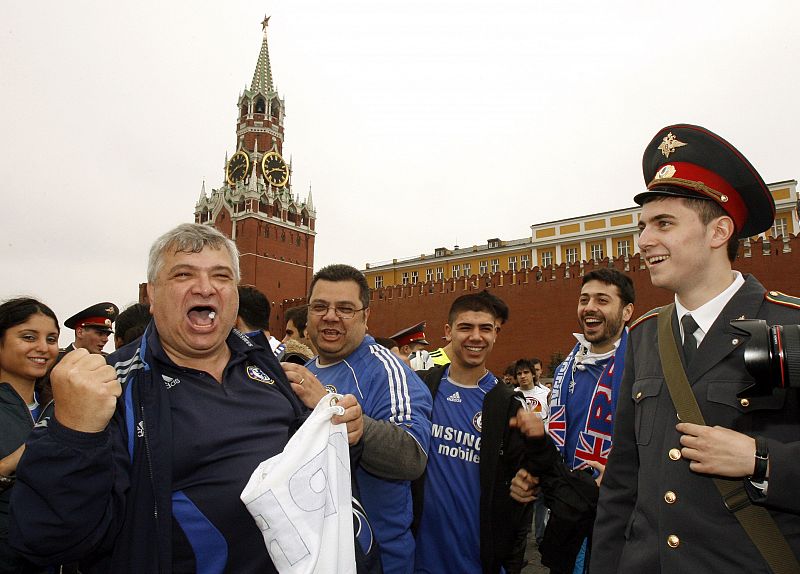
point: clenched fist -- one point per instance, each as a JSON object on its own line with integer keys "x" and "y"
{"x": 85, "y": 391}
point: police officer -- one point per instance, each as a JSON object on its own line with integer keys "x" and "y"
{"x": 92, "y": 327}
{"x": 661, "y": 505}
{"x": 410, "y": 339}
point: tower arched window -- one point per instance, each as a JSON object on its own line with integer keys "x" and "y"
{"x": 260, "y": 106}
{"x": 275, "y": 108}
{"x": 244, "y": 109}
{"x": 304, "y": 217}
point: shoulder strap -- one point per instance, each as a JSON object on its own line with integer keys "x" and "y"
{"x": 756, "y": 520}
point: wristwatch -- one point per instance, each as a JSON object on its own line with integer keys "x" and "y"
{"x": 762, "y": 460}
{"x": 6, "y": 482}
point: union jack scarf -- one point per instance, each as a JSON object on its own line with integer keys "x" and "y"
{"x": 594, "y": 439}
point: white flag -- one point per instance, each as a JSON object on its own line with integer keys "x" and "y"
{"x": 301, "y": 498}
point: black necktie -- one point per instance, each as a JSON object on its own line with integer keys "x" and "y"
{"x": 689, "y": 342}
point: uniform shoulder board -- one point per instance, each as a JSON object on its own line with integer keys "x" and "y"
{"x": 782, "y": 299}
{"x": 649, "y": 315}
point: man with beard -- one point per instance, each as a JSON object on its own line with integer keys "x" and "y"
{"x": 582, "y": 405}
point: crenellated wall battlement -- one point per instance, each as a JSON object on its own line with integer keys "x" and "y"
{"x": 543, "y": 301}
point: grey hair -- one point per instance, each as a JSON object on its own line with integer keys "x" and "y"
{"x": 189, "y": 238}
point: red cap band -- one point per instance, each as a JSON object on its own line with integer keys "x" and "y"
{"x": 104, "y": 322}
{"x": 410, "y": 338}
{"x": 685, "y": 174}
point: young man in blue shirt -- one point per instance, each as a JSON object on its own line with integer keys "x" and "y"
{"x": 464, "y": 461}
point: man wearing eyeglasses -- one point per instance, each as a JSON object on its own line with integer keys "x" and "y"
{"x": 395, "y": 403}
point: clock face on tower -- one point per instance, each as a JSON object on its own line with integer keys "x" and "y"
{"x": 238, "y": 166}
{"x": 274, "y": 169}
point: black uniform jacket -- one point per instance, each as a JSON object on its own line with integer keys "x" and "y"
{"x": 637, "y": 529}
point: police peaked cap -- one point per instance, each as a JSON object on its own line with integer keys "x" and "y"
{"x": 99, "y": 316}
{"x": 690, "y": 161}
{"x": 413, "y": 334}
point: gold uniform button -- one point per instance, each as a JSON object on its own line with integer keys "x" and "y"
{"x": 675, "y": 453}
{"x": 744, "y": 402}
{"x": 673, "y": 541}
{"x": 670, "y": 497}
{"x": 639, "y": 395}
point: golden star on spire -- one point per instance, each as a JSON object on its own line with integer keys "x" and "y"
{"x": 265, "y": 23}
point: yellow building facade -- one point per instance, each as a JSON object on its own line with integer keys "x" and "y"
{"x": 596, "y": 236}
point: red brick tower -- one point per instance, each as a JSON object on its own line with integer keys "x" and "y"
{"x": 255, "y": 205}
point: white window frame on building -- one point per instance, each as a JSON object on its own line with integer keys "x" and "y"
{"x": 483, "y": 267}
{"x": 495, "y": 265}
{"x": 547, "y": 258}
{"x": 378, "y": 281}
{"x": 439, "y": 273}
{"x": 597, "y": 251}
{"x": 440, "y": 252}
{"x": 780, "y": 226}
{"x": 414, "y": 277}
{"x": 405, "y": 277}
{"x": 456, "y": 271}
{"x": 571, "y": 254}
{"x": 623, "y": 248}
{"x": 512, "y": 263}
{"x": 467, "y": 269}
{"x": 524, "y": 261}
{"x": 429, "y": 274}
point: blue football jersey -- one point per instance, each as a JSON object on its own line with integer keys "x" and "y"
{"x": 389, "y": 390}
{"x": 449, "y": 532}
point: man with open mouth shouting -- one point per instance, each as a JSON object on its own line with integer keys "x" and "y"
{"x": 151, "y": 481}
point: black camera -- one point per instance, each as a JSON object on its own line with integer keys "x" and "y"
{"x": 772, "y": 355}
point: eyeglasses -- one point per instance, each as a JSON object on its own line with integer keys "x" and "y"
{"x": 343, "y": 311}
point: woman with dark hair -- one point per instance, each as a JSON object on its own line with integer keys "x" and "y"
{"x": 28, "y": 348}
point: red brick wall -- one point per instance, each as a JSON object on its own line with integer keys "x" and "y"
{"x": 543, "y": 312}
{"x": 277, "y": 260}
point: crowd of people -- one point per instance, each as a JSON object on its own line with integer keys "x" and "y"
{"x": 644, "y": 451}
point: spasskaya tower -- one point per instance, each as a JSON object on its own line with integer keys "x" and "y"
{"x": 255, "y": 205}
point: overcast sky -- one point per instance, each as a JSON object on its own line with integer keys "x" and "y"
{"x": 418, "y": 124}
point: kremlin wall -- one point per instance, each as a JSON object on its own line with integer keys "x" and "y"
{"x": 543, "y": 302}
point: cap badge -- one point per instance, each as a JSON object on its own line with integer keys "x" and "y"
{"x": 665, "y": 172}
{"x": 669, "y": 144}
{"x": 110, "y": 310}
{"x": 107, "y": 322}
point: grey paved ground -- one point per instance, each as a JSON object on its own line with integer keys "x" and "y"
{"x": 534, "y": 565}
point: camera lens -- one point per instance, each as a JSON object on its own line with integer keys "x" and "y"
{"x": 772, "y": 355}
